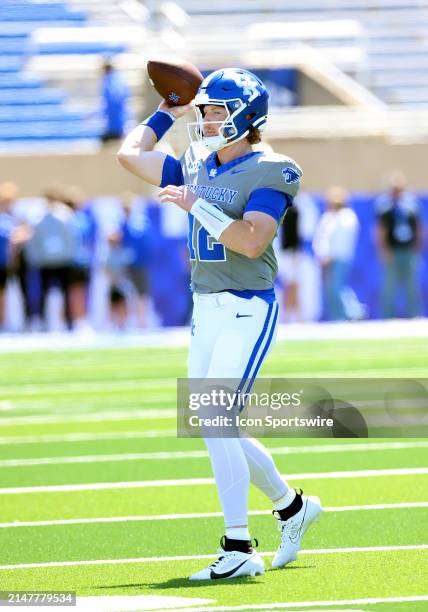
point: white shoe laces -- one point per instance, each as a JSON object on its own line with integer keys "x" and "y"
{"x": 290, "y": 529}
{"x": 225, "y": 554}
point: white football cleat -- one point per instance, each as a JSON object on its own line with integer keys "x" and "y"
{"x": 232, "y": 564}
{"x": 293, "y": 529}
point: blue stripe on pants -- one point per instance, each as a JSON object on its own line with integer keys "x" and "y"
{"x": 265, "y": 350}
{"x": 256, "y": 349}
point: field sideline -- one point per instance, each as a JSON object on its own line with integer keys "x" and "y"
{"x": 98, "y": 496}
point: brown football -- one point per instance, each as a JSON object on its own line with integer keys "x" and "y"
{"x": 177, "y": 83}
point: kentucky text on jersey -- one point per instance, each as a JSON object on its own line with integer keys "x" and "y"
{"x": 217, "y": 194}
{"x": 256, "y": 182}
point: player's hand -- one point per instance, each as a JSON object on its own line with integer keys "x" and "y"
{"x": 177, "y": 111}
{"x": 181, "y": 196}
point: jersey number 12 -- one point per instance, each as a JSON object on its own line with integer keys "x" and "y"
{"x": 202, "y": 246}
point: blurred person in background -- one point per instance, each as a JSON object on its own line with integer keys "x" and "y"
{"x": 8, "y": 194}
{"x": 115, "y": 98}
{"x": 85, "y": 227}
{"x": 289, "y": 265}
{"x": 115, "y": 266}
{"x": 298, "y": 268}
{"x": 52, "y": 250}
{"x": 310, "y": 286}
{"x": 399, "y": 240}
{"x": 174, "y": 265}
{"x": 334, "y": 244}
{"x": 136, "y": 241}
{"x": 15, "y": 234}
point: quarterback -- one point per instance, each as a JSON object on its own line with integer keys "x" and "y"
{"x": 236, "y": 198}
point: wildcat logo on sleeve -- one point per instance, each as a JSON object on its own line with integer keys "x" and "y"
{"x": 290, "y": 175}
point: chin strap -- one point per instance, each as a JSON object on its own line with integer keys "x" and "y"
{"x": 223, "y": 143}
{"x": 214, "y": 143}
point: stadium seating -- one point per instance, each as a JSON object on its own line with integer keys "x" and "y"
{"x": 381, "y": 43}
{"x": 393, "y": 38}
{"x": 30, "y": 108}
{"x": 19, "y": 81}
{"x": 45, "y": 112}
{"x": 47, "y": 130}
{"x": 11, "y": 64}
{"x": 39, "y": 12}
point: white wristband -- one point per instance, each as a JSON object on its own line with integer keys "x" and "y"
{"x": 212, "y": 218}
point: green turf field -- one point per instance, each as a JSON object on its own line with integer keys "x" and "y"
{"x": 98, "y": 496}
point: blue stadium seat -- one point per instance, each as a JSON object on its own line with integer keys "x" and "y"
{"x": 29, "y": 111}
{"x": 38, "y": 96}
{"x": 43, "y": 11}
{"x": 14, "y": 46}
{"x": 11, "y": 63}
{"x": 45, "y": 130}
{"x": 18, "y": 81}
{"x": 14, "y": 31}
{"x": 77, "y": 48}
{"x": 43, "y": 112}
{"x": 25, "y": 28}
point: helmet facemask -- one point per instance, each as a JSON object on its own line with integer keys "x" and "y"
{"x": 227, "y": 130}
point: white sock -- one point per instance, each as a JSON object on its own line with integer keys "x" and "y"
{"x": 285, "y": 500}
{"x": 238, "y": 533}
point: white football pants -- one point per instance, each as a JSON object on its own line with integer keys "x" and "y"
{"x": 231, "y": 338}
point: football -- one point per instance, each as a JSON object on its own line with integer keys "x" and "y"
{"x": 177, "y": 83}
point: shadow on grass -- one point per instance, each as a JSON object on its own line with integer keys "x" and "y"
{"x": 176, "y": 583}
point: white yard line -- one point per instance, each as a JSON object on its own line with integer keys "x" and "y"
{"x": 348, "y": 448}
{"x": 198, "y": 454}
{"x": 181, "y": 482}
{"x": 135, "y": 603}
{"x": 314, "y": 604}
{"x": 179, "y": 336}
{"x": 101, "y": 458}
{"x": 199, "y": 515}
{"x": 111, "y": 415}
{"x": 82, "y": 386}
{"x": 88, "y": 437}
{"x": 319, "y": 551}
{"x": 126, "y": 603}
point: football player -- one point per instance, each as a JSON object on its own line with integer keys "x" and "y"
{"x": 236, "y": 197}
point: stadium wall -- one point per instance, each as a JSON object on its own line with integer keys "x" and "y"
{"x": 311, "y": 93}
{"x": 358, "y": 164}
{"x": 97, "y": 173}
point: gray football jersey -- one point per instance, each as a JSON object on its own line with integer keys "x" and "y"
{"x": 229, "y": 186}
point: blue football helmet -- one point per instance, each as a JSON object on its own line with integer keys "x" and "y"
{"x": 245, "y": 99}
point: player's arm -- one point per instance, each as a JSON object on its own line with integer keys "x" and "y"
{"x": 136, "y": 153}
{"x": 251, "y": 235}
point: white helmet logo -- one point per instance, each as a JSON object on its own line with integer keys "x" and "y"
{"x": 248, "y": 84}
